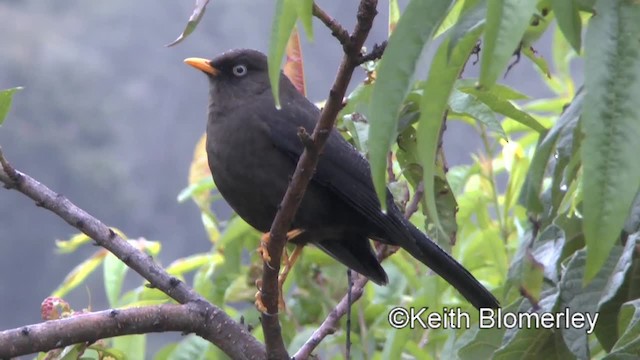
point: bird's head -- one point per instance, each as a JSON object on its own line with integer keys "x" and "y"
{"x": 236, "y": 73}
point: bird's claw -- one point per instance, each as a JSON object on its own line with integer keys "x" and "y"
{"x": 259, "y": 304}
{"x": 262, "y": 249}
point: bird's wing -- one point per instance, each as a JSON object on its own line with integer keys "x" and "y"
{"x": 341, "y": 168}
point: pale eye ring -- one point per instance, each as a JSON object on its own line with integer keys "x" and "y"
{"x": 239, "y": 70}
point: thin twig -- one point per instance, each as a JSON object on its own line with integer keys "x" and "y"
{"x": 375, "y": 54}
{"x": 390, "y": 174}
{"x": 9, "y": 170}
{"x": 330, "y": 323}
{"x": 337, "y": 30}
{"x": 412, "y": 206}
{"x": 221, "y": 330}
{"x": 347, "y": 354}
{"x": 303, "y": 173}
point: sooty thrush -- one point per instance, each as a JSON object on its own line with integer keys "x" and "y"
{"x": 253, "y": 149}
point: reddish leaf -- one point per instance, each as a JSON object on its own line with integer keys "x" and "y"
{"x": 294, "y": 66}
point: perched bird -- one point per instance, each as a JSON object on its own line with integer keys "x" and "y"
{"x": 253, "y": 149}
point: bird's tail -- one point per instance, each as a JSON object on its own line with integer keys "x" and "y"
{"x": 429, "y": 253}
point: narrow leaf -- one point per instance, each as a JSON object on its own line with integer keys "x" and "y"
{"x": 532, "y": 187}
{"x": 443, "y": 73}
{"x": 537, "y": 60}
{"x": 611, "y": 124}
{"x": 394, "y": 15}
{"x": 507, "y": 21}
{"x": 305, "y": 14}
{"x": 283, "y": 22}
{"x": 79, "y": 274}
{"x": 114, "y": 272}
{"x": 294, "y": 66}
{"x": 414, "y": 30}
{"x": 569, "y": 22}
{"x": 194, "y": 19}
{"x": 628, "y": 346}
{"x": 469, "y": 105}
{"x": 506, "y": 108}
{"x": 6, "y": 96}
{"x": 471, "y": 20}
{"x": 132, "y": 345}
{"x": 500, "y": 90}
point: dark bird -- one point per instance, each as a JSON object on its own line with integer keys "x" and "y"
{"x": 253, "y": 149}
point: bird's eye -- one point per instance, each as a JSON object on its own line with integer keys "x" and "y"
{"x": 239, "y": 70}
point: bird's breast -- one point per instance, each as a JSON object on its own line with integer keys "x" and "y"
{"x": 249, "y": 172}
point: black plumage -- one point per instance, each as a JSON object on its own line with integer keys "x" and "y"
{"x": 253, "y": 149}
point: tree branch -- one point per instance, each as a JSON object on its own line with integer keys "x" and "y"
{"x": 330, "y": 324}
{"x": 336, "y": 29}
{"x": 375, "y": 54}
{"x": 303, "y": 173}
{"x": 222, "y": 331}
{"x": 89, "y": 327}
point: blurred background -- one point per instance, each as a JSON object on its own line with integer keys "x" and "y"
{"x": 109, "y": 117}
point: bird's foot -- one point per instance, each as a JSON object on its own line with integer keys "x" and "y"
{"x": 262, "y": 249}
{"x": 289, "y": 261}
{"x": 259, "y": 304}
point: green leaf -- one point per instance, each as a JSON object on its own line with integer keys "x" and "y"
{"x": 469, "y": 105}
{"x": 79, "y": 274}
{"x": 165, "y": 351}
{"x": 471, "y": 20}
{"x": 532, "y": 187}
{"x": 501, "y": 91}
{"x": 586, "y": 5}
{"x": 71, "y": 245}
{"x": 114, "y": 272}
{"x": 569, "y": 22}
{"x": 530, "y": 342}
{"x": 629, "y": 327}
{"x": 505, "y": 107}
{"x": 574, "y": 296}
{"x": 6, "y": 96}
{"x": 202, "y": 280}
{"x": 72, "y": 352}
{"x": 481, "y": 344}
{"x": 414, "y": 30}
{"x": 538, "y": 61}
{"x": 616, "y": 292}
{"x": 191, "y": 263}
{"x": 632, "y": 224}
{"x": 192, "y": 347}
{"x": 284, "y": 20}
{"x": 451, "y": 19}
{"x": 194, "y": 19}
{"x": 107, "y": 351}
{"x": 611, "y": 124}
{"x": 437, "y": 88}
{"x": 538, "y": 24}
{"x": 359, "y": 130}
{"x": 358, "y": 100}
{"x": 395, "y": 343}
{"x": 300, "y": 338}
{"x": 201, "y": 187}
{"x": 304, "y": 9}
{"x": 132, "y": 345}
{"x": 507, "y": 21}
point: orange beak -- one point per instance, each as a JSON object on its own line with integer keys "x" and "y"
{"x": 203, "y": 65}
